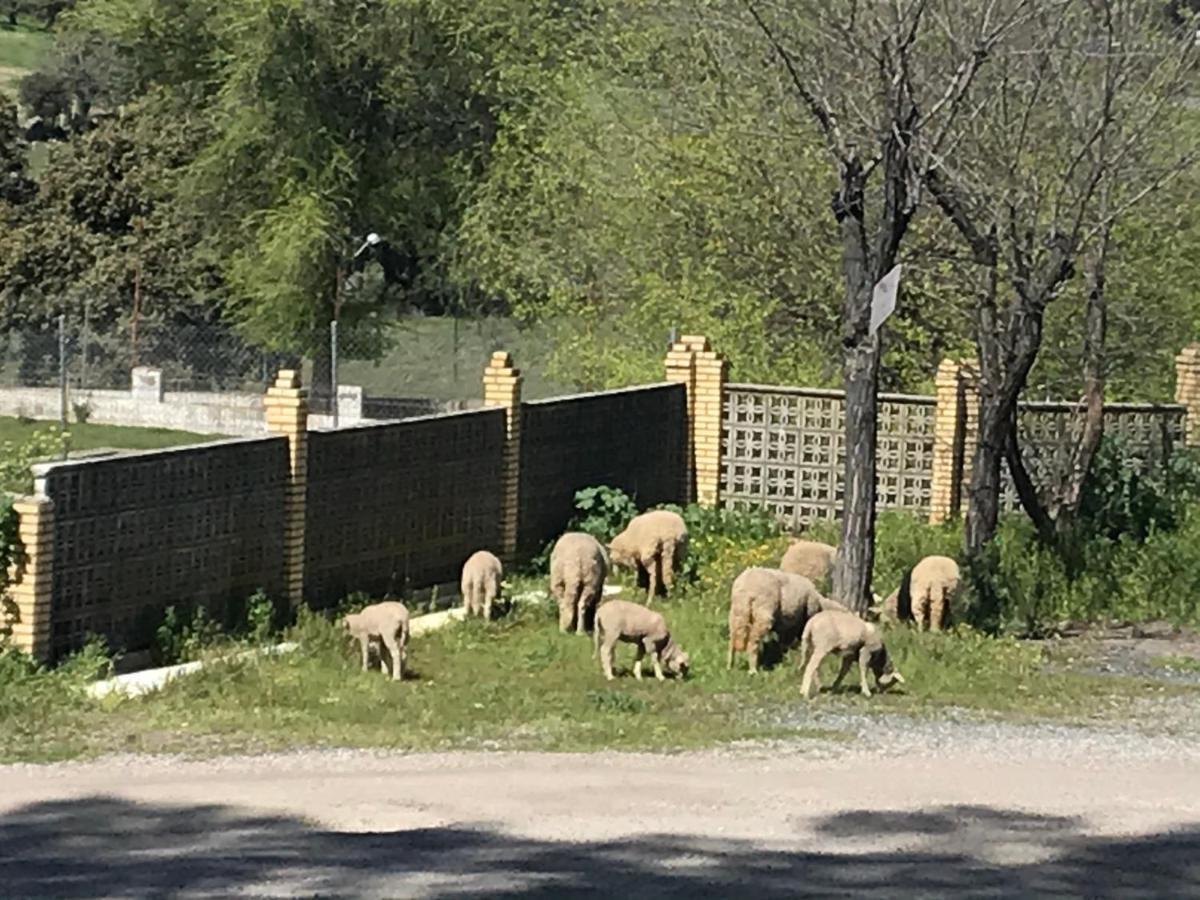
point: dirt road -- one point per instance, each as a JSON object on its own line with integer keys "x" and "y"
{"x": 1022, "y": 812}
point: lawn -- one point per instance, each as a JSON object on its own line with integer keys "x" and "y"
{"x": 518, "y": 684}
{"x": 92, "y": 437}
{"x": 21, "y": 50}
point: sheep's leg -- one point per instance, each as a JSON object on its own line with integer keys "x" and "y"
{"x": 847, "y": 662}
{"x": 489, "y": 598}
{"x": 937, "y": 607}
{"x": 606, "y": 657}
{"x": 810, "y": 679}
{"x": 864, "y": 659}
{"x": 637, "y": 662}
{"x": 397, "y": 662}
{"x": 667, "y": 558}
{"x": 922, "y": 612}
{"x": 729, "y": 657}
{"x": 652, "y": 572}
{"x": 581, "y": 606}
{"x": 364, "y": 645}
{"x": 752, "y": 651}
{"x": 656, "y": 658}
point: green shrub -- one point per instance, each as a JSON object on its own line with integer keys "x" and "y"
{"x": 179, "y": 639}
{"x": 16, "y": 458}
{"x": 603, "y": 512}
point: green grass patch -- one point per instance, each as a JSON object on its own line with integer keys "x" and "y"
{"x": 21, "y": 50}
{"x": 1177, "y": 663}
{"x": 91, "y": 436}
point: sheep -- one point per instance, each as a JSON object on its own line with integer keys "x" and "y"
{"x": 620, "y": 620}
{"x": 764, "y": 600}
{"x": 654, "y": 542}
{"x": 481, "y": 577}
{"x": 387, "y": 622}
{"x": 811, "y": 559}
{"x": 578, "y": 567}
{"x": 925, "y": 594}
{"x": 842, "y": 632}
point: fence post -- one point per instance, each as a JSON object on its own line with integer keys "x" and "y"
{"x": 681, "y": 369}
{"x": 1187, "y": 390}
{"x": 706, "y": 429}
{"x": 32, "y": 573}
{"x": 502, "y": 388}
{"x": 949, "y": 432}
{"x": 286, "y": 405}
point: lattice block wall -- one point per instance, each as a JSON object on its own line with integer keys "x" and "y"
{"x": 1050, "y": 431}
{"x": 401, "y": 505}
{"x": 634, "y": 439}
{"x": 784, "y": 451}
{"x": 200, "y": 526}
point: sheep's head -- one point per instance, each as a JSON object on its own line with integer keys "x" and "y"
{"x": 675, "y": 660}
{"x": 620, "y": 553}
{"x": 347, "y": 622}
{"x": 885, "y": 673}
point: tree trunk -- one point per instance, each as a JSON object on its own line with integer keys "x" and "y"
{"x": 983, "y": 509}
{"x": 856, "y": 553}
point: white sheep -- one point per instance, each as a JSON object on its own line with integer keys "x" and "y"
{"x": 386, "y": 622}
{"x": 812, "y": 559}
{"x": 654, "y": 543}
{"x": 768, "y": 600}
{"x": 481, "y": 578}
{"x": 578, "y": 567}
{"x": 620, "y": 620}
{"x": 925, "y": 595}
{"x": 842, "y": 632}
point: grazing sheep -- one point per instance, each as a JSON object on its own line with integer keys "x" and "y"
{"x": 578, "y": 567}
{"x": 481, "y": 577}
{"x": 387, "y": 622}
{"x": 811, "y": 559}
{"x": 768, "y": 600}
{"x": 656, "y": 543}
{"x": 925, "y": 594}
{"x": 620, "y": 620}
{"x": 842, "y": 632}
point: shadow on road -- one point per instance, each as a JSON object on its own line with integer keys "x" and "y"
{"x": 104, "y": 847}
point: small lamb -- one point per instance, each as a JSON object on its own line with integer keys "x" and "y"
{"x": 812, "y": 559}
{"x": 925, "y": 594}
{"x": 655, "y": 543}
{"x": 620, "y": 620}
{"x": 578, "y": 567}
{"x": 768, "y": 600}
{"x": 842, "y": 632}
{"x": 386, "y": 622}
{"x": 481, "y": 577}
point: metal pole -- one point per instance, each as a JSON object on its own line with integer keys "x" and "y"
{"x": 333, "y": 373}
{"x": 62, "y": 375}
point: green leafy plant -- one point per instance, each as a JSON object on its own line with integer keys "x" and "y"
{"x": 179, "y": 639}
{"x": 260, "y": 617}
{"x": 603, "y": 512}
{"x": 17, "y": 458}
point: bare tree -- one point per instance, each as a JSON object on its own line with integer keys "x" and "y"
{"x": 885, "y": 84}
{"x": 1068, "y": 135}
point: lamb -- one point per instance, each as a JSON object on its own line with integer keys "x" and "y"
{"x": 925, "y": 594}
{"x": 481, "y": 577}
{"x": 812, "y": 559}
{"x": 655, "y": 543}
{"x": 387, "y": 622}
{"x": 578, "y": 567}
{"x": 765, "y": 600}
{"x": 840, "y": 631}
{"x": 619, "y": 620}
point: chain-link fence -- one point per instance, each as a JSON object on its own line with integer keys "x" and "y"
{"x": 192, "y": 357}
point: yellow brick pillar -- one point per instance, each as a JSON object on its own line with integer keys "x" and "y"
{"x": 706, "y": 414}
{"x": 286, "y": 405}
{"x": 1187, "y": 390}
{"x": 502, "y": 388}
{"x": 681, "y": 369}
{"x": 949, "y": 430}
{"x": 29, "y": 593}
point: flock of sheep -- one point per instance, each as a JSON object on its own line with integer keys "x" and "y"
{"x": 784, "y": 602}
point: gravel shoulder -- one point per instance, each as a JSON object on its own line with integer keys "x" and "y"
{"x": 911, "y": 808}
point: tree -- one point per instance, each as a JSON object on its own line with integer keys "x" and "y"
{"x": 15, "y": 184}
{"x": 874, "y": 81}
{"x": 1066, "y": 142}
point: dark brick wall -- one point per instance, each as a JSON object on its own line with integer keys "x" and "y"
{"x": 198, "y": 526}
{"x": 400, "y": 505}
{"x": 634, "y": 439}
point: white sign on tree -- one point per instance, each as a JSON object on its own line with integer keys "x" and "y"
{"x": 883, "y": 302}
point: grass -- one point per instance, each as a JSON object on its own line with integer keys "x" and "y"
{"x": 1177, "y": 663}
{"x": 21, "y": 50}
{"x": 92, "y": 437}
{"x": 518, "y": 684}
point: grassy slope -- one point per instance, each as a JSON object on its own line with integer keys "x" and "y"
{"x": 90, "y": 437}
{"x": 517, "y": 683}
{"x": 21, "y": 49}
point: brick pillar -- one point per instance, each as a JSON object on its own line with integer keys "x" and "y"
{"x": 1187, "y": 390}
{"x": 286, "y": 405}
{"x": 29, "y": 591}
{"x": 705, "y": 412}
{"x": 681, "y": 369}
{"x": 502, "y": 388}
{"x": 949, "y": 430}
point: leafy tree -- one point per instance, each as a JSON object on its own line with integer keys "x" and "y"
{"x": 15, "y": 185}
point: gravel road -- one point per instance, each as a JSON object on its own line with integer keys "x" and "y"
{"x": 958, "y": 809}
